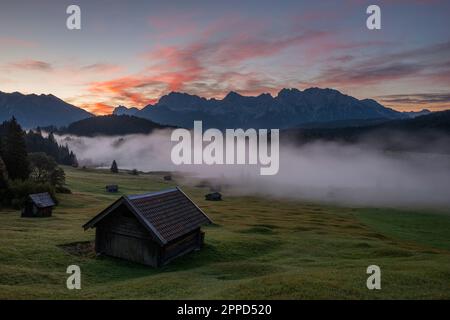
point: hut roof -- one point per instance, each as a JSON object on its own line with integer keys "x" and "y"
{"x": 114, "y": 187}
{"x": 42, "y": 200}
{"x": 166, "y": 214}
{"x": 213, "y": 196}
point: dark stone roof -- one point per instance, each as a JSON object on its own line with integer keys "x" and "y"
{"x": 213, "y": 196}
{"x": 42, "y": 200}
{"x": 167, "y": 214}
{"x": 112, "y": 187}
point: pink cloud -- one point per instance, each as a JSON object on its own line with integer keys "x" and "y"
{"x": 205, "y": 66}
{"x": 14, "y": 42}
{"x": 33, "y": 65}
{"x": 224, "y": 57}
{"x": 102, "y": 67}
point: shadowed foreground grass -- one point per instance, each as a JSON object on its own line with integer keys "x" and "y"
{"x": 257, "y": 249}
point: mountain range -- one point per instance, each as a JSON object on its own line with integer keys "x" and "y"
{"x": 39, "y": 110}
{"x": 122, "y": 110}
{"x": 290, "y": 108}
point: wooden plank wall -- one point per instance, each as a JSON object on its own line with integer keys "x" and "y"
{"x": 181, "y": 246}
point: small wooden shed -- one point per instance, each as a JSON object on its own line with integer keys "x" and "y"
{"x": 113, "y": 188}
{"x": 215, "y": 196}
{"x": 152, "y": 229}
{"x": 38, "y": 205}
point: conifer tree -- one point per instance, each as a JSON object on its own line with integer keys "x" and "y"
{"x": 114, "y": 168}
{"x": 3, "y": 175}
{"x": 15, "y": 151}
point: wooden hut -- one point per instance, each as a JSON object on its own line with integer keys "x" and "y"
{"x": 215, "y": 196}
{"x": 152, "y": 229}
{"x": 38, "y": 205}
{"x": 113, "y": 188}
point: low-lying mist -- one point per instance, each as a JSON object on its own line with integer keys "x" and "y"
{"x": 319, "y": 171}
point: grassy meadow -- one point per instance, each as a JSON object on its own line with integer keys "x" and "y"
{"x": 258, "y": 248}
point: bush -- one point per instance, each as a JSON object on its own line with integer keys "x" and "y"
{"x": 45, "y": 170}
{"x": 17, "y": 203}
{"x": 19, "y": 190}
{"x": 4, "y": 201}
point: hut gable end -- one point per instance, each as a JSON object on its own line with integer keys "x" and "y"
{"x": 124, "y": 222}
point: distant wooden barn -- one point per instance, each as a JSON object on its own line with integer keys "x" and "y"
{"x": 215, "y": 196}
{"x": 152, "y": 229}
{"x": 112, "y": 188}
{"x": 38, "y": 205}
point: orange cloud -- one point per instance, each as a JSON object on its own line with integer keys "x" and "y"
{"x": 98, "y": 108}
{"x": 222, "y": 58}
{"x": 194, "y": 67}
{"x": 125, "y": 90}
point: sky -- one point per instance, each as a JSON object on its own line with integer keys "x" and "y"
{"x": 133, "y": 52}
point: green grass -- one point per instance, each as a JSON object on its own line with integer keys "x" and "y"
{"x": 258, "y": 248}
{"x": 429, "y": 230}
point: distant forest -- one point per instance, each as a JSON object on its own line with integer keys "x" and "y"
{"x": 110, "y": 125}
{"x": 428, "y": 133}
{"x": 61, "y": 153}
{"x": 36, "y": 142}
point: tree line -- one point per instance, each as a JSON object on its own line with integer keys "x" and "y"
{"x": 36, "y": 142}
{"x": 29, "y": 164}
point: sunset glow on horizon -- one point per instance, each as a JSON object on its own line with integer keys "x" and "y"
{"x": 133, "y": 53}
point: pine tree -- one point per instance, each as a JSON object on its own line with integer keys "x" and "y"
{"x": 53, "y": 147}
{"x": 51, "y": 138}
{"x": 73, "y": 161}
{"x": 3, "y": 175}
{"x": 15, "y": 152}
{"x": 114, "y": 168}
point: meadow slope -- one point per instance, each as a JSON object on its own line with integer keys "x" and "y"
{"x": 258, "y": 248}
